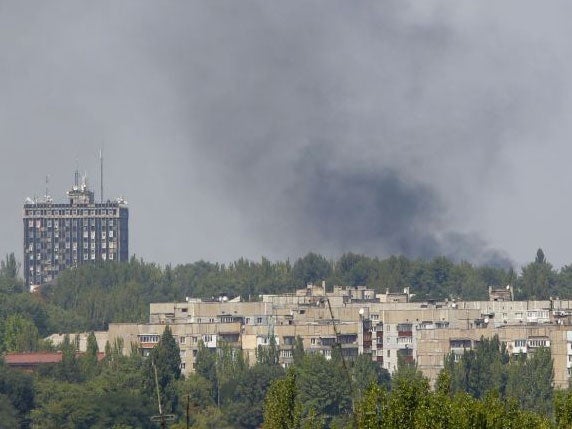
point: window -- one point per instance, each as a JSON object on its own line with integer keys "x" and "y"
{"x": 389, "y": 353}
{"x": 259, "y": 320}
{"x": 183, "y": 365}
{"x": 149, "y": 338}
{"x": 182, "y": 340}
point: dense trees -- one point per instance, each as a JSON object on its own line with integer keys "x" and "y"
{"x": 94, "y": 295}
{"x": 485, "y": 387}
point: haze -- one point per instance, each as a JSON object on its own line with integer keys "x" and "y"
{"x": 258, "y": 128}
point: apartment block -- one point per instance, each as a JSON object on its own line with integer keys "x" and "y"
{"x": 385, "y": 327}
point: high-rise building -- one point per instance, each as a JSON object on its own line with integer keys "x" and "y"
{"x": 62, "y": 235}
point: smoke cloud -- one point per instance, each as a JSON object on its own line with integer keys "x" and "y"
{"x": 277, "y": 128}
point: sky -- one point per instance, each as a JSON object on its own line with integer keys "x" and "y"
{"x": 272, "y": 129}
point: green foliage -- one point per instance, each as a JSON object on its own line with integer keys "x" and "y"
{"x": 530, "y": 381}
{"x": 538, "y": 279}
{"x": 323, "y": 386}
{"x": 268, "y": 354}
{"x": 282, "y": 409}
{"x": 9, "y": 281}
{"x": 488, "y": 370}
{"x": 366, "y": 372}
{"x": 244, "y": 409}
{"x": 162, "y": 369}
{"x": 480, "y": 370}
{"x": 17, "y": 389}
{"x": 298, "y": 353}
{"x": 20, "y": 334}
{"x": 312, "y": 268}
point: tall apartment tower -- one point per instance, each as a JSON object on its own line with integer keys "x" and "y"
{"x": 62, "y": 235}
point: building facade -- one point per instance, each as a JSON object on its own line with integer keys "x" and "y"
{"x": 62, "y": 235}
{"x": 387, "y": 328}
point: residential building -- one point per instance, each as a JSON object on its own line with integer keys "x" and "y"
{"x": 385, "y": 329}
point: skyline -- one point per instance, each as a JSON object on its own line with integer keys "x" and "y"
{"x": 271, "y": 129}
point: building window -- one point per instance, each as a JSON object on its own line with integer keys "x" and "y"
{"x": 182, "y": 340}
{"x": 149, "y": 338}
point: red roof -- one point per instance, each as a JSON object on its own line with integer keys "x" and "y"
{"x": 32, "y": 358}
{"x": 38, "y": 358}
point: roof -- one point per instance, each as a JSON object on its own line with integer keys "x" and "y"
{"x": 32, "y": 358}
{"x": 37, "y": 358}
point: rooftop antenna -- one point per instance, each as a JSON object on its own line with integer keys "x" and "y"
{"x": 47, "y": 186}
{"x": 76, "y": 174}
{"x": 101, "y": 173}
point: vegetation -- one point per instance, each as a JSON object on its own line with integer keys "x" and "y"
{"x": 484, "y": 387}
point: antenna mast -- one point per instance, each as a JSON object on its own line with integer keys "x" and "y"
{"x": 101, "y": 173}
{"x": 76, "y": 174}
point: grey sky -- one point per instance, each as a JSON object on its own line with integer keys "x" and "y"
{"x": 260, "y": 128}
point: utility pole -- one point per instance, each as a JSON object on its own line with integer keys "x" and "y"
{"x": 162, "y": 418}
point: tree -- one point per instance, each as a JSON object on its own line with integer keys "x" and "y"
{"x": 69, "y": 369}
{"x": 18, "y": 389}
{"x": 245, "y": 409}
{"x": 164, "y": 362}
{"x": 205, "y": 366}
{"x": 311, "y": 268}
{"x": 323, "y": 386}
{"x": 298, "y": 352}
{"x": 268, "y": 355}
{"x": 366, "y": 372}
{"x": 20, "y": 334}
{"x": 282, "y": 409}
{"x": 89, "y": 361}
{"x": 530, "y": 380}
{"x": 409, "y": 391}
{"x": 480, "y": 370}
{"x": 538, "y": 279}
{"x": 9, "y": 281}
